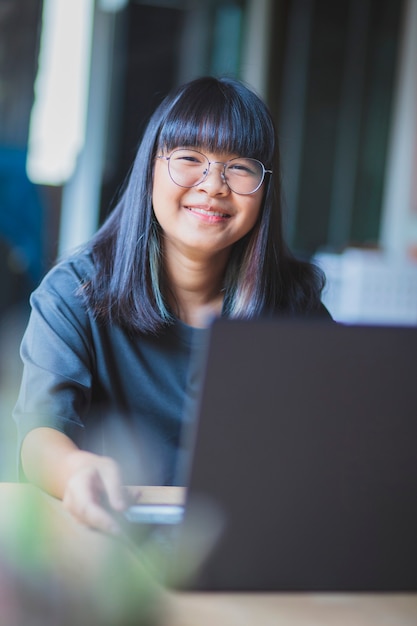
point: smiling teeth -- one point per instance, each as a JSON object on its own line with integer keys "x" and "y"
{"x": 212, "y": 213}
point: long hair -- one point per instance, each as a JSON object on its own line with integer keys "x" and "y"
{"x": 262, "y": 277}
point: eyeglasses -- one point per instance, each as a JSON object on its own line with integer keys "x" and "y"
{"x": 188, "y": 168}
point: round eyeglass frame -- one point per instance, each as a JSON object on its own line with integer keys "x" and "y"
{"x": 207, "y": 171}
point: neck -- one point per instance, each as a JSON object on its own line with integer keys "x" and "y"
{"x": 196, "y": 287}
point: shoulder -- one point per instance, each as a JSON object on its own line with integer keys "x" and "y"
{"x": 59, "y": 317}
{"x": 64, "y": 281}
{"x": 69, "y": 273}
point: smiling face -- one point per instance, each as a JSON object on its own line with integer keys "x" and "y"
{"x": 206, "y": 219}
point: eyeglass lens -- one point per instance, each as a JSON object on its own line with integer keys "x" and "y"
{"x": 188, "y": 168}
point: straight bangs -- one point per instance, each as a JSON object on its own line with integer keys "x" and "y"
{"x": 228, "y": 118}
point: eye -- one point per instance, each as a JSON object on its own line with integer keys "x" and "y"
{"x": 238, "y": 167}
{"x": 188, "y": 157}
{"x": 243, "y": 167}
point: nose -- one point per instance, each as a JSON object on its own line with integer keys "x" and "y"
{"x": 215, "y": 180}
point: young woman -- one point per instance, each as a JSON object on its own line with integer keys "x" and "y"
{"x": 196, "y": 233}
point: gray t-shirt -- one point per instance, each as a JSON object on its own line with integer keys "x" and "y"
{"x": 122, "y": 396}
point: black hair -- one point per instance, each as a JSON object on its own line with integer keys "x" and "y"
{"x": 262, "y": 276}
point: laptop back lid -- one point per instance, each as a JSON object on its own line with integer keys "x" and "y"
{"x": 307, "y": 445}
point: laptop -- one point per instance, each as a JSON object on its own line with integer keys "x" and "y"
{"x": 304, "y": 466}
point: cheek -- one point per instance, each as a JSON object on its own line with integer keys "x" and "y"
{"x": 253, "y": 211}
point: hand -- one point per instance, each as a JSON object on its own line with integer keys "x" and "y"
{"x": 94, "y": 492}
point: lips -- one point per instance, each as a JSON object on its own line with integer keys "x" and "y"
{"x": 209, "y": 211}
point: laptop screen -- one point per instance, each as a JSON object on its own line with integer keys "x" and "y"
{"x": 306, "y": 444}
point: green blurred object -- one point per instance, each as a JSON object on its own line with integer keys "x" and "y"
{"x": 51, "y": 576}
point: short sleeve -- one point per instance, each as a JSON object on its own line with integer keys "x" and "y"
{"x": 57, "y": 357}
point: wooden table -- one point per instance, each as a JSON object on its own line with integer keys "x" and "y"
{"x": 56, "y": 572}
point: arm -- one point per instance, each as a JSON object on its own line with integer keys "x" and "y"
{"x": 88, "y": 484}
{"x": 54, "y": 399}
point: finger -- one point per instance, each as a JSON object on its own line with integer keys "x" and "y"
{"x": 98, "y": 517}
{"x": 87, "y": 508}
{"x": 116, "y": 494}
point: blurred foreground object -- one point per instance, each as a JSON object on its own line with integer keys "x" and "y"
{"x": 55, "y": 571}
